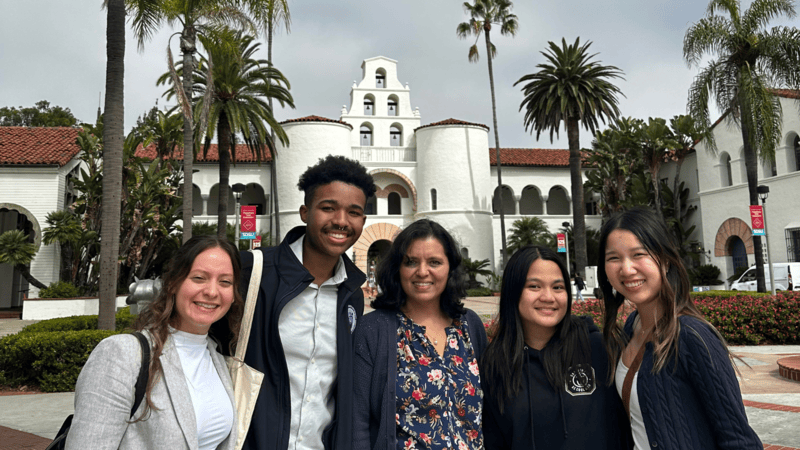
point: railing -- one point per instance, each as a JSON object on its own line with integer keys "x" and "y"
{"x": 385, "y": 154}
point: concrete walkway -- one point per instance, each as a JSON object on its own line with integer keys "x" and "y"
{"x": 772, "y": 403}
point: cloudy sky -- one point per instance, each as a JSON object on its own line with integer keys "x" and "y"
{"x": 55, "y": 50}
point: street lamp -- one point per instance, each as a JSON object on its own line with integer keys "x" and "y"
{"x": 566, "y": 226}
{"x": 763, "y": 193}
{"x": 237, "y": 189}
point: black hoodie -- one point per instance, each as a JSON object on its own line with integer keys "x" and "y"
{"x": 584, "y": 413}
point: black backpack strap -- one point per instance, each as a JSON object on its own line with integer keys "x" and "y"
{"x": 144, "y": 372}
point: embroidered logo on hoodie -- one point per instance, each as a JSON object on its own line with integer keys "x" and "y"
{"x": 580, "y": 380}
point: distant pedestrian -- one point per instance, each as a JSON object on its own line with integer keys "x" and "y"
{"x": 580, "y": 285}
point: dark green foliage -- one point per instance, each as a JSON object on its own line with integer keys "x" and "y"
{"x": 60, "y": 289}
{"x": 124, "y": 321}
{"x": 41, "y": 115}
{"x": 51, "y": 360}
{"x": 479, "y": 292}
{"x": 707, "y": 274}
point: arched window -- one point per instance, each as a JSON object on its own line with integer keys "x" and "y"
{"x": 395, "y": 136}
{"x": 372, "y": 206}
{"x": 557, "y": 201}
{"x": 380, "y": 78}
{"x": 726, "y": 177}
{"x": 197, "y": 201}
{"x": 464, "y": 252}
{"x": 433, "y": 200}
{"x": 369, "y": 105}
{"x": 509, "y": 206}
{"x": 796, "y": 153}
{"x": 531, "y": 201}
{"x": 392, "y": 105}
{"x": 366, "y": 135}
{"x": 394, "y": 203}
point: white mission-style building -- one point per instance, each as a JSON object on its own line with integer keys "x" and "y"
{"x": 442, "y": 170}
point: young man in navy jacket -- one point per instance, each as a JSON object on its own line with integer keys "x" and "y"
{"x": 308, "y": 303}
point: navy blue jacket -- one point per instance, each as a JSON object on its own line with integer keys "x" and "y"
{"x": 282, "y": 279}
{"x": 542, "y": 418}
{"x": 375, "y": 405}
{"x": 694, "y": 403}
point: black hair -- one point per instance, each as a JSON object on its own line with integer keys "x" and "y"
{"x": 335, "y": 168}
{"x": 503, "y": 360}
{"x": 674, "y": 299}
{"x": 160, "y": 314}
{"x": 393, "y": 297}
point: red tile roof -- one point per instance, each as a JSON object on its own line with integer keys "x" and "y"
{"x": 452, "y": 122}
{"x": 243, "y": 154}
{"x": 531, "y": 157}
{"x": 787, "y": 93}
{"x": 38, "y": 145}
{"x": 316, "y": 119}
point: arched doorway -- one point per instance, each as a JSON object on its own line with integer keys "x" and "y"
{"x": 15, "y": 287}
{"x": 738, "y": 253}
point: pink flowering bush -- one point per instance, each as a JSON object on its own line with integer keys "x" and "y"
{"x": 741, "y": 318}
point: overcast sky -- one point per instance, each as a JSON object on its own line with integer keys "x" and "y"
{"x": 55, "y": 50}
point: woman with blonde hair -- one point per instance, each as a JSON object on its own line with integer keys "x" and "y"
{"x": 188, "y": 401}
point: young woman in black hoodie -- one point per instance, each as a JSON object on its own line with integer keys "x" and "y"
{"x": 545, "y": 372}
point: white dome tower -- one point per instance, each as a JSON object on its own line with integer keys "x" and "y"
{"x": 454, "y": 182}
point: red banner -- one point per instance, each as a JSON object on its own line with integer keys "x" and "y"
{"x": 561, "y": 239}
{"x": 248, "y": 222}
{"x": 757, "y": 220}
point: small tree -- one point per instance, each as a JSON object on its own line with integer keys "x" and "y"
{"x": 475, "y": 268}
{"x": 18, "y": 252}
{"x": 528, "y": 231}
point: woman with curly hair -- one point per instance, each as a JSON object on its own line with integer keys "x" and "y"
{"x": 188, "y": 401}
{"x": 673, "y": 369}
{"x": 417, "y": 383}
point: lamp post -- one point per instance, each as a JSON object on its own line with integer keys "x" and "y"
{"x": 237, "y": 189}
{"x": 763, "y": 193}
{"x": 566, "y": 226}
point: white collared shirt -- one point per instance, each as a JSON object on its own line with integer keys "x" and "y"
{"x": 307, "y": 327}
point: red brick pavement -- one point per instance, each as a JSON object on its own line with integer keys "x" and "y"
{"x": 771, "y": 406}
{"x": 18, "y": 440}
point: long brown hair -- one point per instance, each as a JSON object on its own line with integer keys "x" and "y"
{"x": 674, "y": 299}
{"x": 157, "y": 317}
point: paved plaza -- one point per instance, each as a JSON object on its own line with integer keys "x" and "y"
{"x": 30, "y": 421}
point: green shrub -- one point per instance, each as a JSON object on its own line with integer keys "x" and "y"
{"x": 124, "y": 320}
{"x": 705, "y": 275}
{"x": 51, "y": 360}
{"x": 60, "y": 289}
{"x": 479, "y": 292}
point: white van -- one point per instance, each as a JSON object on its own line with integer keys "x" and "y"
{"x": 783, "y": 278}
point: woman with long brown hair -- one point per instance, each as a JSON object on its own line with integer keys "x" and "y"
{"x": 188, "y": 401}
{"x": 673, "y": 368}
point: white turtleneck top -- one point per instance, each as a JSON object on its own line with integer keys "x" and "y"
{"x": 212, "y": 406}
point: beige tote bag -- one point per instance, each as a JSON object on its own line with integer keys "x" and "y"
{"x": 246, "y": 380}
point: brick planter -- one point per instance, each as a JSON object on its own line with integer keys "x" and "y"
{"x": 790, "y": 367}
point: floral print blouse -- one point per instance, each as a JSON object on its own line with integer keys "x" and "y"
{"x": 439, "y": 397}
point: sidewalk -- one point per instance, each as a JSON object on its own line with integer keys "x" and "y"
{"x": 772, "y": 403}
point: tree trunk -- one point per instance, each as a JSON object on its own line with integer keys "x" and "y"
{"x": 273, "y": 171}
{"x": 578, "y": 213}
{"x": 496, "y": 147}
{"x": 188, "y": 43}
{"x": 751, "y": 166}
{"x": 224, "y": 140}
{"x": 113, "y": 140}
{"x": 26, "y": 273}
{"x": 676, "y": 198}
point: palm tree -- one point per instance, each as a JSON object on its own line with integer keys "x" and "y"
{"x": 473, "y": 268}
{"x": 271, "y": 14}
{"x": 686, "y": 132}
{"x": 237, "y": 102}
{"x": 656, "y": 142}
{"x": 16, "y": 251}
{"x": 113, "y": 138}
{"x": 196, "y": 17}
{"x": 572, "y": 89}
{"x": 748, "y": 60}
{"x": 484, "y": 14}
{"x": 528, "y": 231}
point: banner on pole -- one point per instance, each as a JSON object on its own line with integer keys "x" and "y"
{"x": 257, "y": 242}
{"x": 757, "y": 220}
{"x": 561, "y": 239}
{"x": 248, "y": 222}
